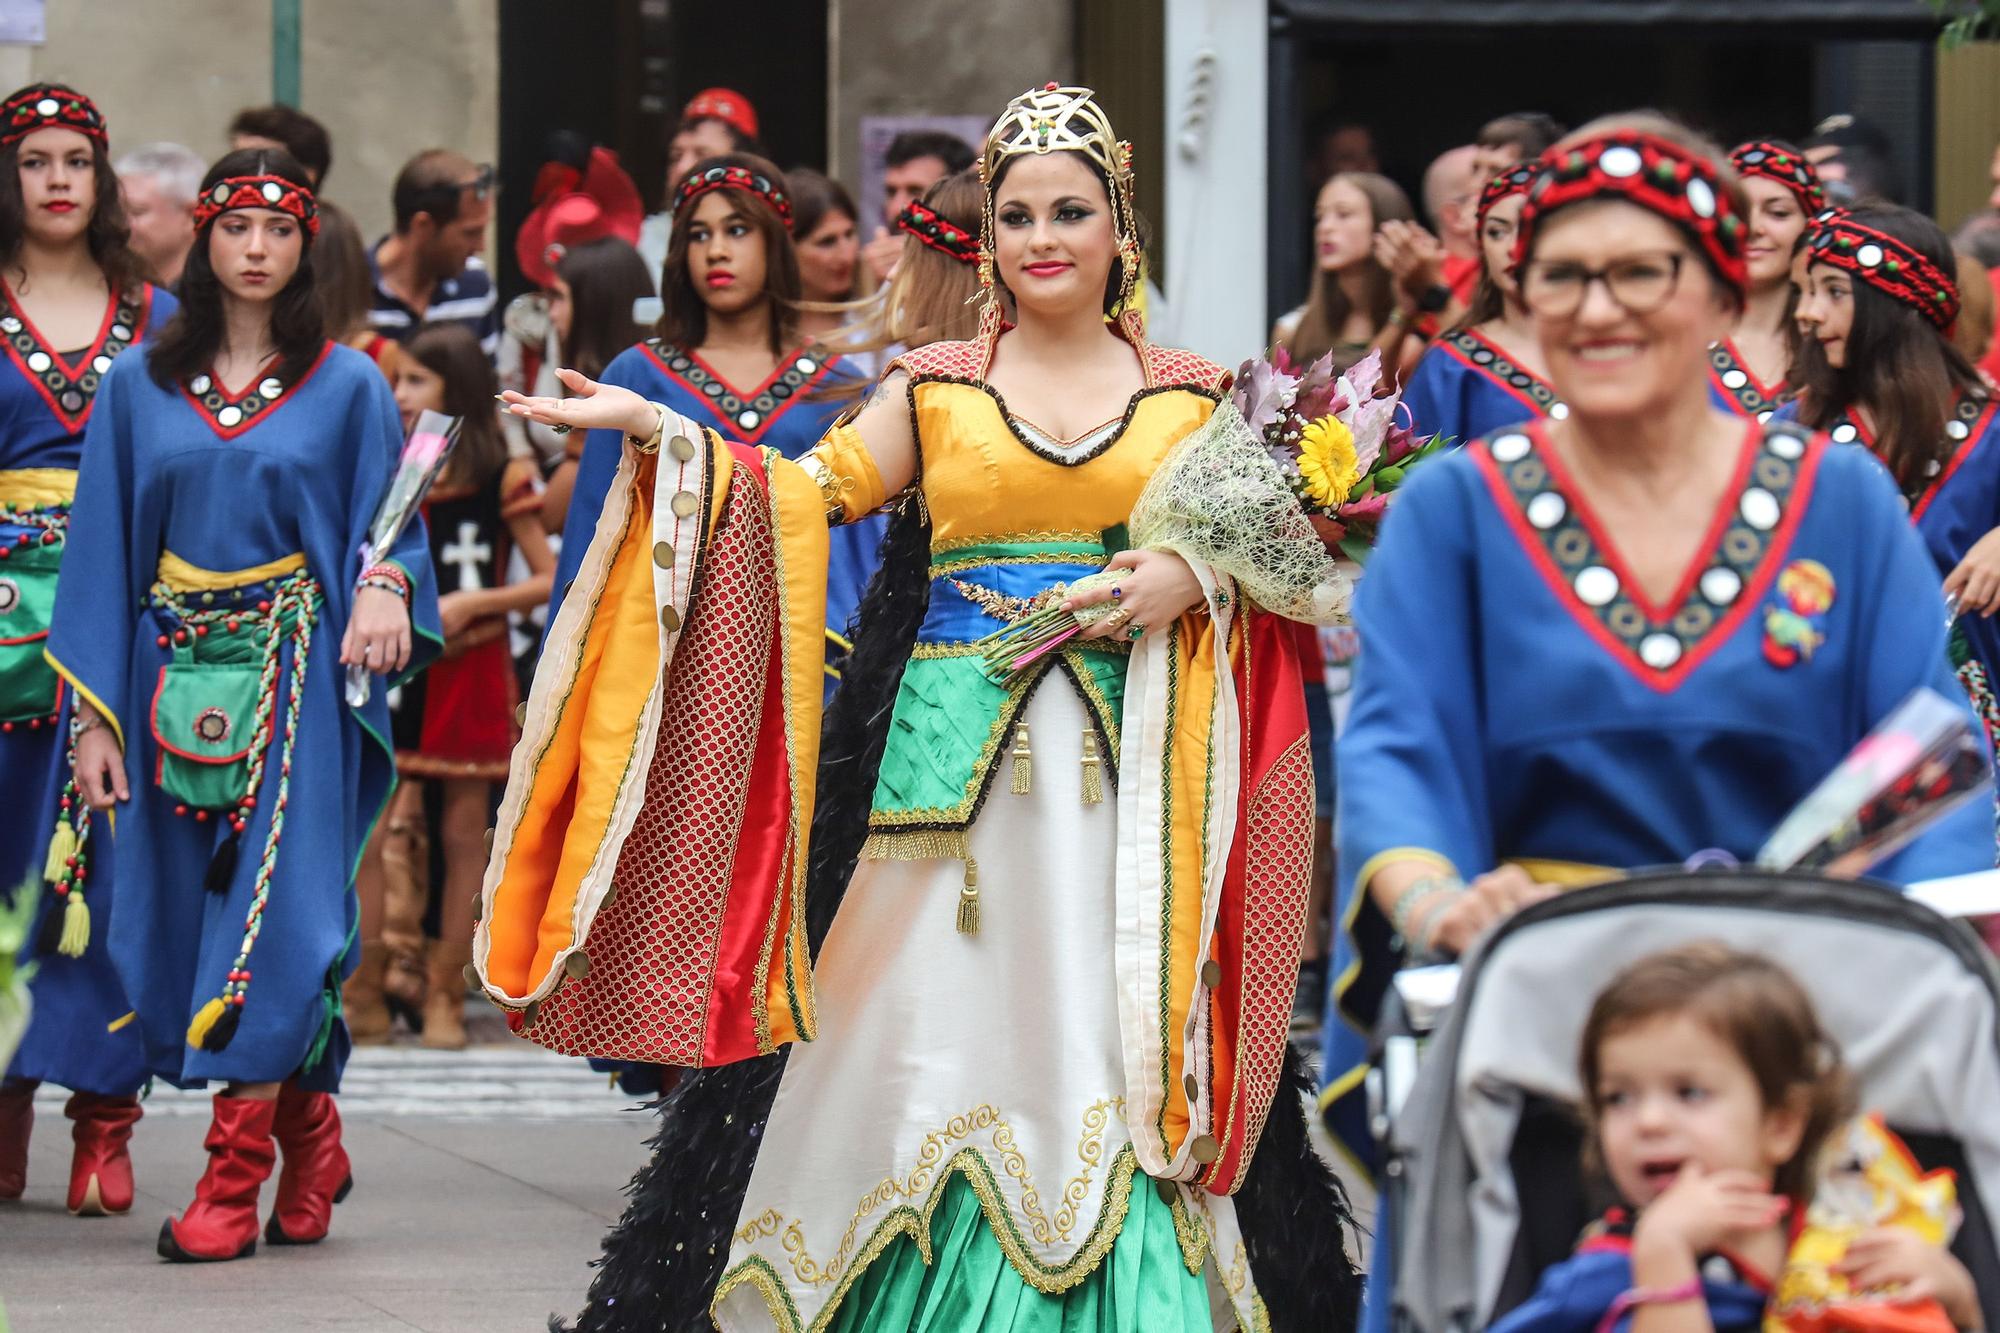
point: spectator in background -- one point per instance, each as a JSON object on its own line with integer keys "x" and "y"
{"x": 1973, "y": 333}
{"x": 715, "y": 121}
{"x": 1509, "y": 140}
{"x": 346, "y": 288}
{"x": 159, "y": 182}
{"x": 916, "y": 160}
{"x": 1343, "y": 147}
{"x": 1435, "y": 275}
{"x": 594, "y": 288}
{"x": 428, "y": 271}
{"x": 1854, "y": 158}
{"x": 1353, "y": 295}
{"x": 826, "y": 230}
{"x": 1980, "y": 238}
{"x": 1993, "y": 174}
{"x": 286, "y": 127}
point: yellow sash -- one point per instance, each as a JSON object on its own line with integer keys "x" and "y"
{"x": 181, "y": 576}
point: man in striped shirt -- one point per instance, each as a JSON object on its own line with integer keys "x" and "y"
{"x": 429, "y": 271}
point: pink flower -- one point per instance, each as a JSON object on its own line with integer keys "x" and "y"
{"x": 1262, "y": 393}
{"x": 1365, "y": 510}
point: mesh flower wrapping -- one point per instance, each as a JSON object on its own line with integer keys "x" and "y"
{"x": 1218, "y": 499}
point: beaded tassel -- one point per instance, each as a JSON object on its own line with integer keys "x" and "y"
{"x": 968, "y": 900}
{"x": 215, "y": 1023}
{"x": 1093, "y": 769}
{"x": 66, "y": 868}
{"x": 1023, "y": 761}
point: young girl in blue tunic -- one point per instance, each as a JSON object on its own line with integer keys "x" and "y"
{"x": 71, "y": 302}
{"x": 230, "y": 477}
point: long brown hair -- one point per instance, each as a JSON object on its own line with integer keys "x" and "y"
{"x": 1906, "y": 373}
{"x": 1328, "y": 307}
{"x": 345, "y": 283}
{"x": 1754, "y": 1006}
{"x": 604, "y": 278}
{"x": 109, "y": 235}
{"x": 451, "y": 352}
{"x": 683, "y": 314}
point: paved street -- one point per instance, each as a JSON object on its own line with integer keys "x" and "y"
{"x": 483, "y": 1181}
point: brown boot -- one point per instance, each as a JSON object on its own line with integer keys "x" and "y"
{"x": 361, "y": 998}
{"x": 444, "y": 1007}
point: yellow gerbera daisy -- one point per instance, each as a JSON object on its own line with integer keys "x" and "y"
{"x": 1328, "y": 462}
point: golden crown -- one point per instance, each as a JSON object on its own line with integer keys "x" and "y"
{"x": 1054, "y": 119}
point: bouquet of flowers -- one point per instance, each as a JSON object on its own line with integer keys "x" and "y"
{"x": 424, "y": 456}
{"x": 1336, "y": 440}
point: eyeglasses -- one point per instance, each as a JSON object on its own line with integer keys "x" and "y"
{"x": 1555, "y": 288}
{"x": 481, "y": 185}
{"x": 442, "y": 199}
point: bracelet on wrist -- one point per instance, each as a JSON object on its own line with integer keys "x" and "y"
{"x": 387, "y": 577}
{"x": 1414, "y": 894}
{"x": 1634, "y": 1297}
{"x": 650, "y": 444}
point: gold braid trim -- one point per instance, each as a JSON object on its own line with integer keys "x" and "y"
{"x": 915, "y": 1222}
{"x": 930, "y": 844}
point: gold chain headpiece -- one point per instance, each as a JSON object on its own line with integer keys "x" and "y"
{"x": 1055, "y": 119}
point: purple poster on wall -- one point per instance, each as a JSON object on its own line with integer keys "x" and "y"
{"x": 24, "y": 21}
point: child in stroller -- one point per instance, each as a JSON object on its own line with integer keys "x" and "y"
{"x": 1710, "y": 1091}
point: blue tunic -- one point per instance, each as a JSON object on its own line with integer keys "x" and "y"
{"x": 230, "y": 482}
{"x": 1466, "y": 387}
{"x": 45, "y": 405}
{"x": 1576, "y": 1294}
{"x": 780, "y": 413}
{"x": 1532, "y": 703}
{"x": 1734, "y": 387}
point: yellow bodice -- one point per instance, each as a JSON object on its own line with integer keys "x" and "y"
{"x": 989, "y": 476}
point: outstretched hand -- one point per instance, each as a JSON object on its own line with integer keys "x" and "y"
{"x": 592, "y": 406}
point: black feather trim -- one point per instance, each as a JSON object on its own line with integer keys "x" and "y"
{"x": 1296, "y": 1220}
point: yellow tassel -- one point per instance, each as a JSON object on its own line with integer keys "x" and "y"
{"x": 122, "y": 1021}
{"x": 76, "y": 926}
{"x": 915, "y": 845}
{"x": 1093, "y": 769}
{"x": 207, "y": 1018}
{"x": 1023, "y": 760}
{"x": 968, "y": 900}
{"x": 61, "y": 848}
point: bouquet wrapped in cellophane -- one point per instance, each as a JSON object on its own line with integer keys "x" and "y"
{"x": 1919, "y": 763}
{"x": 1337, "y": 440}
{"x": 1218, "y": 500}
{"x": 424, "y": 455}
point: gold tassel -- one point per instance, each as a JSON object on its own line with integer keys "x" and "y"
{"x": 915, "y": 845}
{"x": 968, "y": 900}
{"x": 1023, "y": 760}
{"x": 206, "y": 1018}
{"x": 61, "y": 848}
{"x": 1093, "y": 769}
{"x": 76, "y": 926}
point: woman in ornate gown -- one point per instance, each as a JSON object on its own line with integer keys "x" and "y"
{"x": 71, "y": 301}
{"x": 1750, "y": 372}
{"x": 212, "y": 595}
{"x": 729, "y": 296}
{"x": 1048, "y": 1086}
{"x": 1487, "y": 372}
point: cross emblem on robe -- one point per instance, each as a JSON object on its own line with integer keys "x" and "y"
{"x": 469, "y": 554}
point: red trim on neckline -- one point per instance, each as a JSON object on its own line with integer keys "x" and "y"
{"x": 1754, "y": 586}
{"x": 1704, "y": 556}
{"x": 1521, "y": 396}
{"x": 1736, "y": 361}
{"x": 72, "y": 373}
{"x": 726, "y": 424}
{"x": 291, "y": 391}
{"x": 1980, "y": 426}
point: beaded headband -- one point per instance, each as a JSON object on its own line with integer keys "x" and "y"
{"x": 234, "y": 192}
{"x": 1890, "y": 266}
{"x": 1513, "y": 181}
{"x": 701, "y": 182}
{"x": 1659, "y": 176}
{"x": 1055, "y": 119}
{"x": 41, "y": 105}
{"x": 937, "y": 232}
{"x": 1787, "y": 166}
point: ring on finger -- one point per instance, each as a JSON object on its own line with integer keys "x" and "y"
{"x": 1136, "y": 632}
{"x": 1117, "y": 617}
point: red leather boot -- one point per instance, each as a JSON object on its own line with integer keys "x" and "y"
{"x": 17, "y": 1118}
{"x": 316, "y": 1175}
{"x": 100, "y": 1168}
{"x": 221, "y": 1223}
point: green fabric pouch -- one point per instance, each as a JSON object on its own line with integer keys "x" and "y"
{"x": 28, "y": 684}
{"x": 204, "y": 721}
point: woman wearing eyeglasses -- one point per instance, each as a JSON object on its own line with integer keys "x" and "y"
{"x": 1642, "y": 631}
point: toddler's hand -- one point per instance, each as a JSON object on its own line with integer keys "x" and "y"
{"x": 1898, "y": 1257}
{"x": 1706, "y": 1211}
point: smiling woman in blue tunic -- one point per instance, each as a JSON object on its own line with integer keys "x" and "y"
{"x": 230, "y": 476}
{"x": 1639, "y": 632}
{"x": 71, "y": 302}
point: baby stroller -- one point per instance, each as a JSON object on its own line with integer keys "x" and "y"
{"x": 1485, "y": 1156}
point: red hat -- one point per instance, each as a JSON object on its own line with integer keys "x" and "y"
{"x": 573, "y": 208}
{"x": 723, "y": 104}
